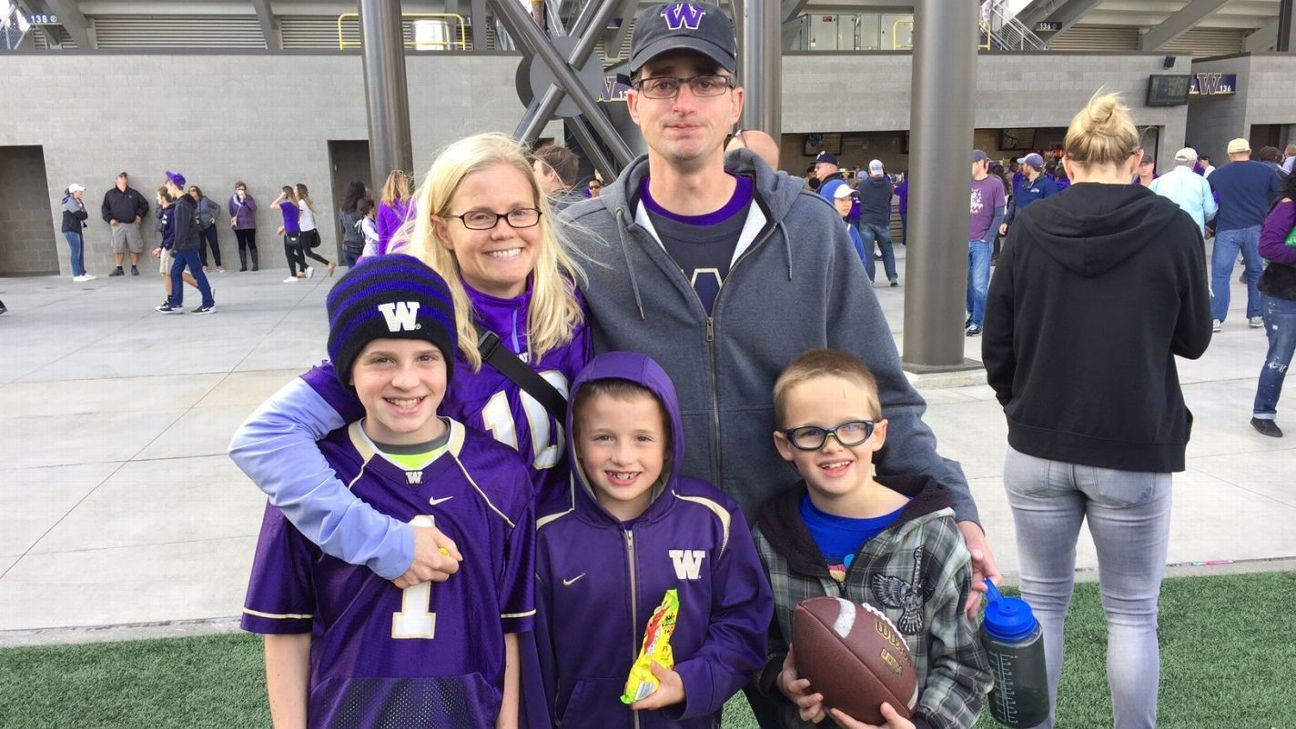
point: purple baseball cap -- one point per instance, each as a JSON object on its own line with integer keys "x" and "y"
{"x": 175, "y": 178}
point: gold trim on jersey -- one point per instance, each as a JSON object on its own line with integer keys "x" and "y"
{"x": 546, "y": 520}
{"x": 721, "y": 513}
{"x": 508, "y": 616}
{"x": 278, "y": 616}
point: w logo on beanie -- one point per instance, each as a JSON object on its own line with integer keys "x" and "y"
{"x": 401, "y": 316}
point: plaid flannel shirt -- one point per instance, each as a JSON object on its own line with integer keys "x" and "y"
{"x": 921, "y": 555}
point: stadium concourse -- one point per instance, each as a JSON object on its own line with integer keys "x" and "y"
{"x": 121, "y": 516}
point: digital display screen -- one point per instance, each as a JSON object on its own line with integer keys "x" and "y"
{"x": 1168, "y": 89}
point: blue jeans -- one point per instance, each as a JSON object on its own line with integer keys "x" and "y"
{"x": 1129, "y": 518}
{"x": 978, "y": 278}
{"x": 904, "y": 228}
{"x": 77, "y": 243}
{"x": 1280, "y": 326}
{"x": 188, "y": 258}
{"x": 869, "y": 233}
{"x": 1227, "y": 244}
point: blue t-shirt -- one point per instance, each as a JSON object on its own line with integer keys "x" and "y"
{"x": 1243, "y": 190}
{"x": 839, "y": 537}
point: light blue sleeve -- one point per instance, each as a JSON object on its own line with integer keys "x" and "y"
{"x": 276, "y": 448}
{"x": 1209, "y": 206}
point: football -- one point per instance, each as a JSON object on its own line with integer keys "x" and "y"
{"x": 853, "y": 655}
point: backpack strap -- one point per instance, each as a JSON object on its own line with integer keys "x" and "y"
{"x": 494, "y": 353}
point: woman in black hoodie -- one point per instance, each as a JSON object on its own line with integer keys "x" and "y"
{"x": 1096, "y": 291}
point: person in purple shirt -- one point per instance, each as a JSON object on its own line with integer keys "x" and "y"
{"x": 291, "y": 232}
{"x": 394, "y": 207}
{"x": 242, "y": 209}
{"x": 1278, "y": 294}
{"x": 902, "y": 196}
{"x": 345, "y": 647}
{"x": 491, "y": 238}
{"x": 628, "y": 528}
{"x": 988, "y": 207}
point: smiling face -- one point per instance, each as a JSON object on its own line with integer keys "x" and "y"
{"x": 496, "y": 261}
{"x": 400, "y": 382}
{"x": 687, "y": 131}
{"x": 621, "y": 445}
{"x": 834, "y": 471}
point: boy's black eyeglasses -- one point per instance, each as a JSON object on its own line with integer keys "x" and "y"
{"x": 486, "y": 220}
{"x": 668, "y": 87}
{"x": 812, "y": 437}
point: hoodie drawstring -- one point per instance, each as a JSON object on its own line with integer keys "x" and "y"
{"x": 625, "y": 251}
{"x": 787, "y": 246}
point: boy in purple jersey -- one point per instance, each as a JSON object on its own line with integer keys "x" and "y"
{"x": 345, "y": 647}
{"x": 629, "y": 528}
{"x": 488, "y": 231}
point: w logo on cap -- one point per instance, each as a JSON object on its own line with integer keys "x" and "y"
{"x": 682, "y": 15}
{"x": 401, "y": 316}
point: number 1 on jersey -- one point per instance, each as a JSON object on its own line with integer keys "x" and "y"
{"x": 416, "y": 619}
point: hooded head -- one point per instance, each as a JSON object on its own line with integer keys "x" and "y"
{"x": 625, "y": 435}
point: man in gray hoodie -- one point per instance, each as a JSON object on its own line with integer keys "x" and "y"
{"x": 723, "y": 271}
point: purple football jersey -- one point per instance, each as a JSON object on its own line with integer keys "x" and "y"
{"x": 429, "y": 655}
{"x": 489, "y": 401}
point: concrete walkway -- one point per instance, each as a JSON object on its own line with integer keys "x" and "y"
{"x": 118, "y": 506}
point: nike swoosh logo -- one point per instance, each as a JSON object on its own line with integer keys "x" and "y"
{"x": 436, "y": 502}
{"x": 572, "y": 581}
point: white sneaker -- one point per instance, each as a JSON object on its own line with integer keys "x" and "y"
{"x": 1256, "y": 322}
{"x": 291, "y": 279}
{"x": 1216, "y": 325}
{"x": 310, "y": 271}
{"x": 78, "y": 279}
{"x": 89, "y": 277}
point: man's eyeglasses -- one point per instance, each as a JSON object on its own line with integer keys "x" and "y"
{"x": 812, "y": 437}
{"x": 668, "y": 87}
{"x": 486, "y": 220}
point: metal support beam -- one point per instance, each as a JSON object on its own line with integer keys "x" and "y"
{"x": 269, "y": 25}
{"x": 593, "y": 151}
{"x": 941, "y": 119}
{"x": 792, "y": 8}
{"x": 519, "y": 25}
{"x": 479, "y": 28}
{"x": 761, "y": 69}
{"x": 1066, "y": 12}
{"x": 386, "y": 90}
{"x": 1179, "y": 23}
{"x": 1073, "y": 13}
{"x": 593, "y": 18}
{"x": 1263, "y": 39}
{"x": 1286, "y": 31}
{"x": 626, "y": 12}
{"x": 73, "y": 21}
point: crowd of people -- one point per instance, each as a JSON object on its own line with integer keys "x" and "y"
{"x": 545, "y": 409}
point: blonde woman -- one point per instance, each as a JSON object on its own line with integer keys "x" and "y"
{"x": 291, "y": 232}
{"x": 1096, "y": 293}
{"x": 394, "y": 207}
{"x": 310, "y": 237}
{"x": 485, "y": 226}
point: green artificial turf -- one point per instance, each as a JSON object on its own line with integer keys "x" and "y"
{"x": 1228, "y": 658}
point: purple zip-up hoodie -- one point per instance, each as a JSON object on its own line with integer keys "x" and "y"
{"x": 390, "y": 219}
{"x": 599, "y": 580}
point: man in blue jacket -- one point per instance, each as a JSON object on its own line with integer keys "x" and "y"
{"x": 1034, "y": 185}
{"x": 1243, "y": 187}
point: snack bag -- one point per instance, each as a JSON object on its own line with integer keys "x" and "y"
{"x": 656, "y": 647}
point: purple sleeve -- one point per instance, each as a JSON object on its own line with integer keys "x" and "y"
{"x": 1274, "y": 234}
{"x": 281, "y": 592}
{"x": 517, "y": 581}
{"x": 389, "y": 221}
{"x": 741, "y": 608}
{"x": 232, "y": 210}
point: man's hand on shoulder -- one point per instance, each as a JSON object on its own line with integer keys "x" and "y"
{"x": 435, "y": 558}
{"x": 983, "y": 564}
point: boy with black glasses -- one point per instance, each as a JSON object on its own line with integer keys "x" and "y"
{"x": 888, "y": 541}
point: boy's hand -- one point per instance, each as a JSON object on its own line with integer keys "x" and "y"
{"x": 983, "y": 565}
{"x": 435, "y": 558}
{"x": 893, "y": 720}
{"x": 671, "y": 690}
{"x": 794, "y": 688}
{"x": 157, "y": 252}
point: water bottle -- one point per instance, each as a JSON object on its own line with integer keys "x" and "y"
{"x": 1013, "y": 641}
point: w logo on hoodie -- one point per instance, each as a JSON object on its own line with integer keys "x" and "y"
{"x": 688, "y": 563}
{"x": 682, "y": 15}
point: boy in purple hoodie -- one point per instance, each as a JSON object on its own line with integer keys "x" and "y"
{"x": 630, "y": 528}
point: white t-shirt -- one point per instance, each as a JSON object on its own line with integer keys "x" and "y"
{"x": 307, "y": 220}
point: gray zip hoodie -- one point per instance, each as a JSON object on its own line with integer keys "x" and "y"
{"x": 783, "y": 295}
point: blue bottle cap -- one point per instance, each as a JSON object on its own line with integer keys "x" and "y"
{"x": 1007, "y": 618}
